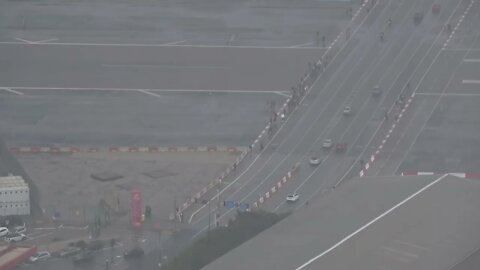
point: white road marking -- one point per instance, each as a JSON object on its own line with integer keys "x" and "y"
{"x": 12, "y": 91}
{"x": 450, "y": 94}
{"x": 44, "y": 41}
{"x": 137, "y": 90}
{"x": 471, "y": 81}
{"x": 173, "y": 43}
{"x": 165, "y": 66}
{"x": 149, "y": 93}
{"x": 282, "y": 94}
{"x": 302, "y": 45}
{"x": 471, "y": 60}
{"x": 24, "y": 41}
{"x": 369, "y": 223}
{"x": 151, "y": 45}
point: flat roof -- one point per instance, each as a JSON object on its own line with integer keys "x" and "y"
{"x": 12, "y": 181}
{"x": 420, "y": 222}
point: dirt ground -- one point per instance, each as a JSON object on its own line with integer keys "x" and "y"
{"x": 67, "y": 188}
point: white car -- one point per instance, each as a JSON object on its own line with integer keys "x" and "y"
{"x": 347, "y": 110}
{"x": 40, "y": 256}
{"x": 15, "y": 237}
{"x": 315, "y": 161}
{"x": 4, "y": 231}
{"x": 293, "y": 197}
{"x": 327, "y": 143}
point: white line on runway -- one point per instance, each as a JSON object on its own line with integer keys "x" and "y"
{"x": 12, "y": 91}
{"x": 144, "y": 89}
{"x": 149, "y": 93}
{"x": 173, "y": 43}
{"x": 370, "y": 223}
{"x": 471, "y": 81}
{"x": 45, "y": 41}
{"x": 154, "y": 45}
{"x": 24, "y": 41}
{"x": 282, "y": 94}
{"x": 302, "y": 45}
{"x": 165, "y": 66}
{"x": 471, "y": 60}
{"x": 449, "y": 94}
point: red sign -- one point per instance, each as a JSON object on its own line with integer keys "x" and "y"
{"x": 136, "y": 208}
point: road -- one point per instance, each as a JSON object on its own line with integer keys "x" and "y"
{"x": 363, "y": 63}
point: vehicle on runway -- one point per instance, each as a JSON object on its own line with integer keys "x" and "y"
{"x": 293, "y": 197}
{"x": 315, "y": 161}
{"x": 347, "y": 110}
{"x": 327, "y": 144}
{"x": 39, "y": 256}
{"x": 15, "y": 237}
{"x": 377, "y": 91}
{"x": 340, "y": 148}
{"x": 417, "y": 17}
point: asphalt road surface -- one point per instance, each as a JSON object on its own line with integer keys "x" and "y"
{"x": 364, "y": 62}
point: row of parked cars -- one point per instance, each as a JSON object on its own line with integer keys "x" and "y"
{"x": 15, "y": 234}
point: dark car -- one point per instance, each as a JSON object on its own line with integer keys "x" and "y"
{"x": 95, "y": 245}
{"x": 82, "y": 258}
{"x": 133, "y": 253}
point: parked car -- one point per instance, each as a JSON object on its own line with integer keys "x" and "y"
{"x": 315, "y": 161}
{"x": 347, "y": 110}
{"x": 136, "y": 252}
{"x": 4, "y": 231}
{"x": 327, "y": 144}
{"x": 40, "y": 256}
{"x": 69, "y": 251}
{"x": 15, "y": 237}
{"x": 293, "y": 197}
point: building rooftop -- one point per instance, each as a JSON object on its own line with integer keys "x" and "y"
{"x": 12, "y": 181}
{"x": 420, "y": 222}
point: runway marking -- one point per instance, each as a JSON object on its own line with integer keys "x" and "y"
{"x": 174, "y": 43}
{"x": 471, "y": 81}
{"x": 27, "y": 42}
{"x": 471, "y": 60}
{"x": 282, "y": 94}
{"x": 369, "y": 223}
{"x": 45, "y": 41}
{"x": 302, "y": 45}
{"x": 450, "y": 94}
{"x": 165, "y": 66}
{"x": 139, "y": 90}
{"x": 12, "y": 91}
{"x": 24, "y": 41}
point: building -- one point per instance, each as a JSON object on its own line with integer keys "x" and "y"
{"x": 373, "y": 223}
{"x": 14, "y": 196}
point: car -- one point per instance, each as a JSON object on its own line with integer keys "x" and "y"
{"x": 40, "y": 256}
{"x": 95, "y": 245}
{"x": 315, "y": 161}
{"x": 293, "y": 197}
{"x": 4, "y": 231}
{"x": 136, "y": 252}
{"x": 347, "y": 110}
{"x": 83, "y": 258}
{"x": 327, "y": 143}
{"x": 69, "y": 251}
{"x": 15, "y": 237}
{"x": 377, "y": 91}
{"x": 417, "y": 17}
